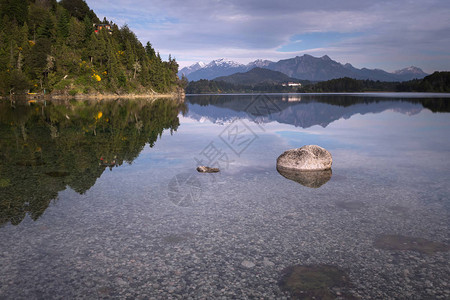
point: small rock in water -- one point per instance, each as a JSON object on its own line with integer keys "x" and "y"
{"x": 120, "y": 281}
{"x": 247, "y": 264}
{"x": 406, "y": 243}
{"x": 203, "y": 169}
{"x": 268, "y": 263}
{"x": 315, "y": 282}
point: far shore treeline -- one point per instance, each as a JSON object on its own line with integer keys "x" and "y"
{"x": 438, "y": 82}
{"x": 63, "y": 48}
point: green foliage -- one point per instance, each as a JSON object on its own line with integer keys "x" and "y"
{"x": 79, "y": 9}
{"x": 204, "y": 86}
{"x": 340, "y": 85}
{"x": 75, "y": 34}
{"x": 19, "y": 81}
{"x": 49, "y": 43}
{"x": 63, "y": 23}
{"x": 438, "y": 82}
{"x": 15, "y": 10}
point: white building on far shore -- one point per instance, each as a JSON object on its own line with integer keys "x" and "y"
{"x": 292, "y": 84}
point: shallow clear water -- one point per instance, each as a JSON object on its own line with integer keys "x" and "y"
{"x": 102, "y": 199}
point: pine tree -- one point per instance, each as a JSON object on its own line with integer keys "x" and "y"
{"x": 88, "y": 28}
{"x": 48, "y": 29}
{"x": 76, "y": 33}
{"x": 63, "y": 24}
{"x": 15, "y": 10}
{"x": 150, "y": 51}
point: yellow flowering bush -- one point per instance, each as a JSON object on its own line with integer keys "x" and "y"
{"x": 96, "y": 77}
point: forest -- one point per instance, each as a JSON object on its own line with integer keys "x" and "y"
{"x": 438, "y": 82}
{"x": 64, "y": 48}
{"x": 204, "y": 86}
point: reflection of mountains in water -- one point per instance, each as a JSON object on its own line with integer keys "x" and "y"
{"x": 303, "y": 110}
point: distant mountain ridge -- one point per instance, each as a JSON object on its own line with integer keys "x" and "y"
{"x": 256, "y": 75}
{"x": 304, "y": 67}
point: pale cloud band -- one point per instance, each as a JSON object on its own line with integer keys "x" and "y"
{"x": 375, "y": 34}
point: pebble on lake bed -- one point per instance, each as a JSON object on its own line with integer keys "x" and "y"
{"x": 203, "y": 169}
{"x": 404, "y": 243}
{"x": 247, "y": 264}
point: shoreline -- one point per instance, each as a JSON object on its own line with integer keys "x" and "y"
{"x": 373, "y": 94}
{"x": 94, "y": 96}
{"x": 116, "y": 96}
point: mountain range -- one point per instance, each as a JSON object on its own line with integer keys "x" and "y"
{"x": 256, "y": 75}
{"x": 304, "y": 67}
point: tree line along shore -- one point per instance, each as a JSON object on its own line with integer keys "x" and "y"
{"x": 64, "y": 49}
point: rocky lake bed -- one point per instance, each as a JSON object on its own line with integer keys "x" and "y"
{"x": 158, "y": 229}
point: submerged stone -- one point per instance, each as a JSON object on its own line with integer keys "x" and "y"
{"x": 177, "y": 238}
{"x": 314, "y": 282}
{"x": 312, "y": 179}
{"x": 405, "y": 243}
{"x": 247, "y": 264}
{"x": 306, "y": 158}
{"x": 203, "y": 169}
{"x": 350, "y": 205}
{"x": 398, "y": 209}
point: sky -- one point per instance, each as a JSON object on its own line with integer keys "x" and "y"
{"x": 381, "y": 34}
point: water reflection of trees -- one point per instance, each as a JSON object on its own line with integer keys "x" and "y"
{"x": 45, "y": 147}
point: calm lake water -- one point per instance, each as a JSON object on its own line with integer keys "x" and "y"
{"x": 101, "y": 199}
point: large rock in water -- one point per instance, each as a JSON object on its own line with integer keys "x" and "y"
{"x": 306, "y": 158}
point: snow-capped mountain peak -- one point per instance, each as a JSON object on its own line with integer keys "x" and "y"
{"x": 410, "y": 73}
{"x": 223, "y": 63}
{"x": 409, "y": 70}
{"x": 260, "y": 63}
{"x": 192, "y": 68}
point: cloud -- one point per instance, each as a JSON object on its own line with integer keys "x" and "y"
{"x": 383, "y": 34}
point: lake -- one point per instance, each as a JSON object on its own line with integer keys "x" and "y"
{"x": 101, "y": 199}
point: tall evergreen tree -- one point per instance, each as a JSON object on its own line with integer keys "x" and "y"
{"x": 76, "y": 33}
{"x": 15, "y": 10}
{"x": 63, "y": 24}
